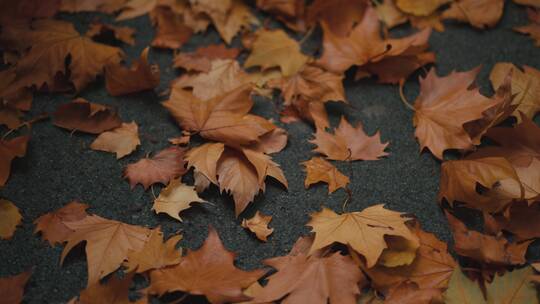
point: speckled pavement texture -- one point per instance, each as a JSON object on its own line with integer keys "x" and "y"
{"x": 60, "y": 167}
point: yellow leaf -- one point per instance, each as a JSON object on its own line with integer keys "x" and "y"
{"x": 175, "y": 198}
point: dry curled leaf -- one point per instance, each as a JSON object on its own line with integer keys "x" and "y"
{"x": 258, "y": 224}
{"x": 107, "y": 243}
{"x": 349, "y": 143}
{"x": 155, "y": 253}
{"x": 10, "y": 218}
{"x": 141, "y": 76}
{"x": 274, "y": 48}
{"x": 201, "y": 59}
{"x": 175, "y": 198}
{"x": 319, "y": 170}
{"x": 364, "y": 231}
{"x": 52, "y": 227}
{"x": 122, "y": 140}
{"x": 443, "y": 106}
{"x": 9, "y": 150}
{"x": 12, "y": 288}
{"x": 166, "y": 165}
{"x": 85, "y": 116}
{"x": 208, "y": 271}
{"x": 51, "y": 42}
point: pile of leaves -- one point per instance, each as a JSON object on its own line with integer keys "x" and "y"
{"x": 375, "y": 255}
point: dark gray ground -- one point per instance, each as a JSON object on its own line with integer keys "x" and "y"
{"x": 59, "y": 168}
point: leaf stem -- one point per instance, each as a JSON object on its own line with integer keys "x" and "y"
{"x": 403, "y": 98}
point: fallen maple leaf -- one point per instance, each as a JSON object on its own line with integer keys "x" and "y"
{"x": 208, "y": 271}
{"x": 122, "y": 140}
{"x": 52, "y": 227}
{"x": 104, "y": 6}
{"x": 290, "y": 12}
{"x": 85, "y": 116}
{"x": 9, "y": 150}
{"x": 521, "y": 219}
{"x": 120, "y": 33}
{"x": 201, "y": 59}
{"x": 463, "y": 290}
{"x": 10, "y": 218}
{"x": 175, "y": 198}
{"x": 349, "y": 143}
{"x": 51, "y": 42}
{"x": 115, "y": 290}
{"x": 443, "y": 106}
{"x": 390, "y": 14}
{"x": 525, "y": 87}
{"x": 459, "y": 180}
{"x": 340, "y": 15}
{"x": 26, "y": 10}
{"x": 479, "y": 13}
{"x": 204, "y": 160}
{"x": 406, "y": 293}
{"x": 513, "y": 287}
{"x": 166, "y": 165}
{"x": 155, "y": 253}
{"x": 420, "y": 8}
{"x": 12, "y": 288}
{"x": 532, "y": 29}
{"x": 140, "y": 77}
{"x": 274, "y": 48}
{"x": 171, "y": 30}
{"x": 485, "y": 248}
{"x": 319, "y": 170}
{"x": 364, "y": 231}
{"x": 312, "y": 279}
{"x": 258, "y": 224}
{"x": 107, "y": 243}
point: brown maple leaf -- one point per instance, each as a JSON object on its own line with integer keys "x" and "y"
{"x": 420, "y": 8}
{"x": 486, "y": 248}
{"x": 175, "y": 198}
{"x": 171, "y": 30}
{"x": 319, "y": 170}
{"x": 85, "y": 116}
{"x": 9, "y": 150}
{"x": 120, "y": 33}
{"x": 532, "y": 29}
{"x": 141, "y": 76}
{"x": 201, "y": 59}
{"x": 104, "y": 6}
{"x": 115, "y": 290}
{"x": 204, "y": 159}
{"x": 51, "y": 42}
{"x": 107, "y": 243}
{"x": 479, "y": 13}
{"x": 364, "y": 231}
{"x": 443, "y": 106}
{"x": 258, "y": 224}
{"x": 12, "y": 288}
{"x": 340, "y": 15}
{"x": 520, "y": 219}
{"x": 161, "y": 168}
{"x": 290, "y": 12}
{"x": 26, "y": 10}
{"x": 312, "y": 279}
{"x": 10, "y": 217}
{"x": 208, "y": 271}
{"x": 52, "y": 227}
{"x": 349, "y": 143}
{"x": 122, "y": 140}
{"x": 155, "y": 253}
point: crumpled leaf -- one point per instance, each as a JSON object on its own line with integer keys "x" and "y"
{"x": 364, "y": 231}
{"x": 12, "y": 288}
{"x": 201, "y": 60}
{"x": 120, "y": 33}
{"x": 9, "y": 150}
{"x": 485, "y": 248}
{"x": 107, "y": 243}
{"x": 479, "y": 13}
{"x": 349, "y": 143}
{"x": 155, "y": 253}
{"x": 52, "y": 227}
{"x": 10, "y": 218}
{"x": 258, "y": 224}
{"x": 319, "y": 170}
{"x": 443, "y": 106}
{"x": 85, "y": 116}
{"x": 166, "y": 165}
{"x": 525, "y": 87}
{"x": 312, "y": 279}
{"x": 122, "y": 140}
{"x": 175, "y": 198}
{"x": 141, "y": 76}
{"x": 274, "y": 48}
{"x": 50, "y": 42}
{"x": 208, "y": 271}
